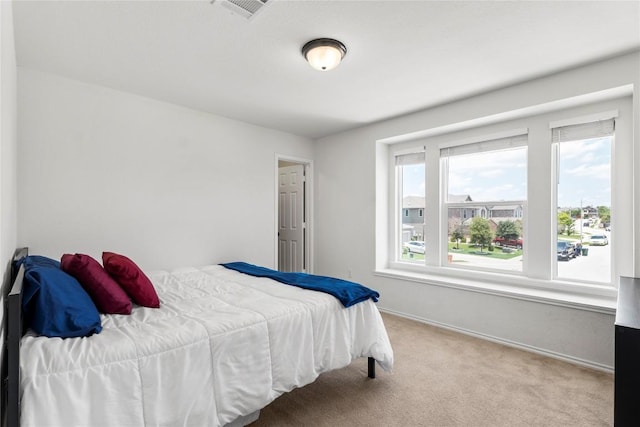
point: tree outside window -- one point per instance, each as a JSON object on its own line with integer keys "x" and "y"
{"x": 480, "y": 232}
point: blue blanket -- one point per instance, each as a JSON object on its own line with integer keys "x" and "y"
{"x": 349, "y": 293}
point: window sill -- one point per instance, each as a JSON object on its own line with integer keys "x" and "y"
{"x": 600, "y": 299}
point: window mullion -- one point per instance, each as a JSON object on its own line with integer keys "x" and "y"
{"x": 432, "y": 205}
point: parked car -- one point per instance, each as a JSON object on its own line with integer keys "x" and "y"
{"x": 566, "y": 250}
{"x": 598, "y": 240}
{"x": 416, "y": 246}
{"x": 501, "y": 241}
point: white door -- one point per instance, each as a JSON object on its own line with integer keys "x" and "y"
{"x": 291, "y": 221}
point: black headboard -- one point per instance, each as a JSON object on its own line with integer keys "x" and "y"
{"x": 15, "y": 330}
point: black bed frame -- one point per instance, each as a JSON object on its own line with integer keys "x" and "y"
{"x": 15, "y": 331}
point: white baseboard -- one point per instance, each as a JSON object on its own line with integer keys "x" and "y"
{"x": 521, "y": 346}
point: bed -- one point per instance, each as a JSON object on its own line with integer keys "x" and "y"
{"x": 222, "y": 346}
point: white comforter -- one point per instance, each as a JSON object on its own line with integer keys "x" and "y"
{"x": 222, "y": 345}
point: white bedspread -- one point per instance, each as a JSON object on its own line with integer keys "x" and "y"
{"x": 223, "y": 344}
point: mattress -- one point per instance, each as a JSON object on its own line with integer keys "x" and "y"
{"x": 222, "y": 345}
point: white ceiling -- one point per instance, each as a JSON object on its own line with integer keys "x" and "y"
{"x": 402, "y": 56}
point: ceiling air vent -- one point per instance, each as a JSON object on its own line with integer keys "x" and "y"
{"x": 245, "y": 8}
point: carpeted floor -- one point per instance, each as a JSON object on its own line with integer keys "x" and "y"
{"x": 442, "y": 378}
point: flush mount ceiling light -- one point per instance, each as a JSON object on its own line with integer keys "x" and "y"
{"x": 324, "y": 54}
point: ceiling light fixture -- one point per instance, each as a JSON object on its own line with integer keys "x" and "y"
{"x": 324, "y": 54}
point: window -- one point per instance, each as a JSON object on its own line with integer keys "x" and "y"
{"x": 486, "y": 196}
{"x": 584, "y": 200}
{"x": 410, "y": 175}
{"x": 534, "y": 202}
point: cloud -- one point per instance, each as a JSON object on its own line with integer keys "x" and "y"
{"x": 585, "y": 149}
{"x": 498, "y": 161}
{"x": 457, "y": 182}
{"x": 601, "y": 171}
{"x": 495, "y": 175}
{"x": 506, "y": 191}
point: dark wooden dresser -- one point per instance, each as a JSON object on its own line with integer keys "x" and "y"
{"x": 627, "y": 354}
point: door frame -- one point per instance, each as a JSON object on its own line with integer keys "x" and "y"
{"x": 308, "y": 169}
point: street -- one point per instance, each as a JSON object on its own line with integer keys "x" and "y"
{"x": 594, "y": 267}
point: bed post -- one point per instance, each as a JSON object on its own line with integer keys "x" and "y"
{"x": 13, "y": 356}
{"x": 372, "y": 367}
{"x": 14, "y": 335}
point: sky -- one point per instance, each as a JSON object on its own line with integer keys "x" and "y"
{"x": 584, "y": 174}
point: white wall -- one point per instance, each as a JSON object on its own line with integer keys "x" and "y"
{"x": 346, "y": 188}
{"x": 167, "y": 186}
{"x": 8, "y": 141}
{"x": 100, "y": 170}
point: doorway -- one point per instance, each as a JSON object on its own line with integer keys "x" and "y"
{"x": 293, "y": 215}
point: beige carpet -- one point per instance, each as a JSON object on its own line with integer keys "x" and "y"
{"x": 442, "y": 378}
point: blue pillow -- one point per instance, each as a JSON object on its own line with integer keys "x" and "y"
{"x": 54, "y": 303}
{"x": 38, "y": 260}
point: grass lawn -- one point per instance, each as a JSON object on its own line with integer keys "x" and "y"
{"x": 468, "y": 249}
{"x": 497, "y": 253}
{"x": 574, "y": 236}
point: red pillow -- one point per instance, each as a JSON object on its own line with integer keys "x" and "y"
{"x": 105, "y": 292}
{"x": 131, "y": 278}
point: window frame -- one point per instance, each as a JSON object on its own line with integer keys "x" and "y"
{"x": 538, "y": 272}
{"x": 555, "y": 147}
{"x": 491, "y": 139}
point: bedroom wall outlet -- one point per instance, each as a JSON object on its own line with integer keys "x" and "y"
{"x": 349, "y": 275}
